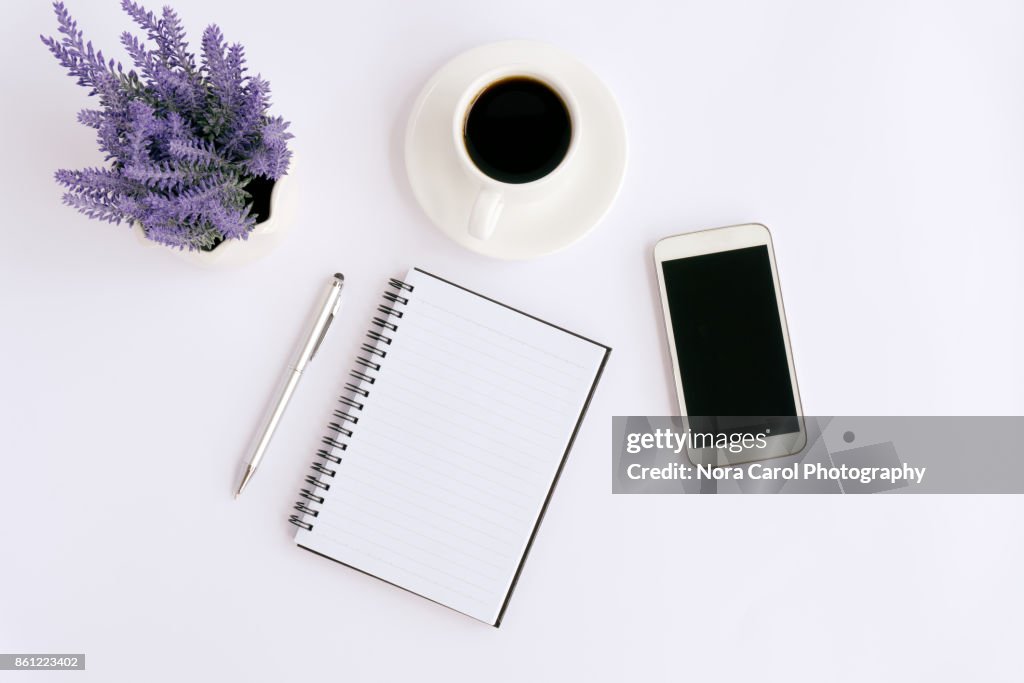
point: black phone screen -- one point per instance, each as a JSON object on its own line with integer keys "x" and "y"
{"x": 729, "y": 341}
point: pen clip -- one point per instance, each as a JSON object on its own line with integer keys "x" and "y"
{"x": 323, "y": 333}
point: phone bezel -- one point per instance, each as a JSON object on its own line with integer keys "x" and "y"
{"x": 713, "y": 241}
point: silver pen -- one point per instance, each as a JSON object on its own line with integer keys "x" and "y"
{"x": 324, "y": 317}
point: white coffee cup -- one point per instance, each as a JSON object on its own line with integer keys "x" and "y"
{"x": 493, "y": 194}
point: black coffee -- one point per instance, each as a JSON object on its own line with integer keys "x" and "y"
{"x": 517, "y": 130}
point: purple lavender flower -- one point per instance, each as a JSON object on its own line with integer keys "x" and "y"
{"x": 183, "y": 137}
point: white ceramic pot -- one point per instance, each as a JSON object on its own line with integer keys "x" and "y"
{"x": 264, "y": 238}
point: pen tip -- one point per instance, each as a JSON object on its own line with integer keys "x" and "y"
{"x": 249, "y": 470}
{"x": 339, "y": 276}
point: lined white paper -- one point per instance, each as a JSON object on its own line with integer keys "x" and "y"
{"x": 456, "y": 448}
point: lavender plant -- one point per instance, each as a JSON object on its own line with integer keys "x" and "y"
{"x": 186, "y": 139}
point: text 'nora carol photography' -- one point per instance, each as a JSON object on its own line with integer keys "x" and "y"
{"x": 759, "y": 471}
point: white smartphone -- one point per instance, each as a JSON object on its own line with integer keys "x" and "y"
{"x": 727, "y": 336}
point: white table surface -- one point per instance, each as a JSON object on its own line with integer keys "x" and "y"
{"x": 882, "y": 142}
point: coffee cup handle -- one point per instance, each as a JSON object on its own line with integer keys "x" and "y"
{"x": 486, "y": 211}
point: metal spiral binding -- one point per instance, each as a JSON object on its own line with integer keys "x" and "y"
{"x": 344, "y": 423}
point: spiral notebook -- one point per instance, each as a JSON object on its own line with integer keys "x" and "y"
{"x": 443, "y": 454}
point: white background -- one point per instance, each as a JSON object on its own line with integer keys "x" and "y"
{"x": 882, "y": 142}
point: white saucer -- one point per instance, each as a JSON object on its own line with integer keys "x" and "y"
{"x": 446, "y": 192}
